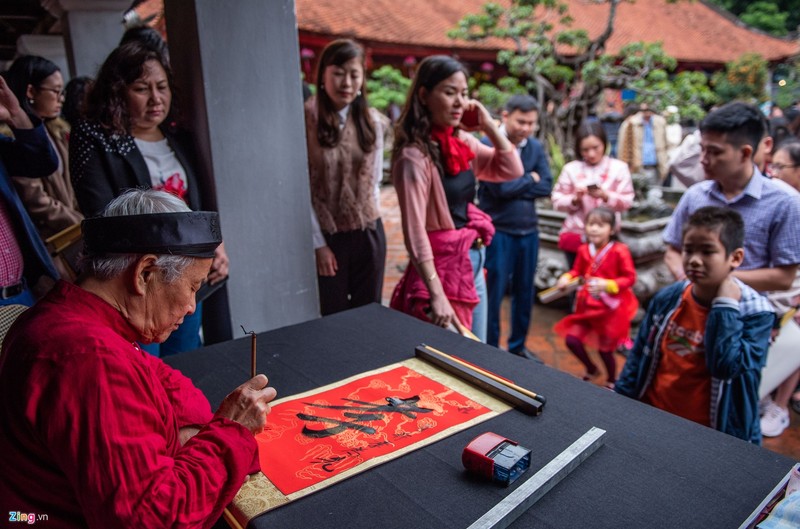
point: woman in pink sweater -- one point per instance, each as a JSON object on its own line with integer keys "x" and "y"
{"x": 592, "y": 181}
{"x": 435, "y": 164}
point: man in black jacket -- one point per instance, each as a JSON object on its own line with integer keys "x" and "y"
{"x": 514, "y": 251}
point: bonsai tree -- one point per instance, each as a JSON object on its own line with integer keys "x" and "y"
{"x": 567, "y": 70}
{"x": 387, "y": 85}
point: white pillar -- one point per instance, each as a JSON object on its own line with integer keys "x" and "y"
{"x": 92, "y": 28}
{"x": 238, "y": 67}
{"x": 51, "y": 47}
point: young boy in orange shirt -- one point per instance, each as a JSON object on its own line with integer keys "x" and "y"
{"x": 703, "y": 342}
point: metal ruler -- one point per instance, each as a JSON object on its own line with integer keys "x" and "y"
{"x": 519, "y": 501}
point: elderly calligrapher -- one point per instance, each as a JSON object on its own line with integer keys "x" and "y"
{"x": 99, "y": 433}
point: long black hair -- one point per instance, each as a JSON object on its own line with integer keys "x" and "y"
{"x": 338, "y": 53}
{"x": 28, "y": 70}
{"x": 75, "y": 93}
{"x": 414, "y": 125}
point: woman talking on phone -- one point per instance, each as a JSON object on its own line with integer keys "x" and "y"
{"x": 435, "y": 163}
{"x": 591, "y": 181}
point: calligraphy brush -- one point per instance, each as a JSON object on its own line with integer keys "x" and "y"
{"x": 252, "y": 351}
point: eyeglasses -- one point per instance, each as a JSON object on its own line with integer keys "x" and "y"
{"x": 59, "y": 93}
{"x": 778, "y": 167}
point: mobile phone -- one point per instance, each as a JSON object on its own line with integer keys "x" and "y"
{"x": 470, "y": 118}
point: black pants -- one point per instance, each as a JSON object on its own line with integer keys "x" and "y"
{"x": 571, "y": 256}
{"x": 361, "y": 259}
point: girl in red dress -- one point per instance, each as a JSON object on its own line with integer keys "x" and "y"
{"x": 605, "y": 304}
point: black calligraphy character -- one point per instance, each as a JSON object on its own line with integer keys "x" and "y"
{"x": 407, "y": 407}
{"x": 366, "y": 411}
{"x": 341, "y": 425}
{"x": 329, "y": 462}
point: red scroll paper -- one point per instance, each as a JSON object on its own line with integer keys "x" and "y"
{"x": 314, "y": 438}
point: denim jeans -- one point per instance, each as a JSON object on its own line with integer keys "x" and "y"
{"x": 511, "y": 258}
{"x": 480, "y": 312}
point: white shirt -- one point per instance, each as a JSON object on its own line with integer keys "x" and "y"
{"x": 343, "y": 116}
{"x": 166, "y": 172}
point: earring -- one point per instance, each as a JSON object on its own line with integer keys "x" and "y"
{"x": 30, "y": 101}
{"x": 358, "y": 94}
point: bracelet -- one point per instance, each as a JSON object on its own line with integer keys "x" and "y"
{"x": 432, "y": 276}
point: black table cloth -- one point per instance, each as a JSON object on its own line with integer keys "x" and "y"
{"x": 654, "y": 470}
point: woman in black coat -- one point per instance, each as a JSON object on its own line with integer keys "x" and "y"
{"x": 129, "y": 140}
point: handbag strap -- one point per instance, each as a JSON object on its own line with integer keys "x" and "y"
{"x": 598, "y": 257}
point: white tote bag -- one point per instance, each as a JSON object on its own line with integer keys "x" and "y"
{"x": 783, "y": 358}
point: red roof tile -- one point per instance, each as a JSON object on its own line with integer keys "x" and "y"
{"x": 154, "y": 9}
{"x": 690, "y": 30}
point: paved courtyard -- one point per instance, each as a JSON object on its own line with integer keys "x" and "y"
{"x": 541, "y": 338}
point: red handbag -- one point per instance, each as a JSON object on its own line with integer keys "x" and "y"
{"x": 569, "y": 241}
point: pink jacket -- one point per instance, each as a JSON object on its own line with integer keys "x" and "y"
{"x": 453, "y": 266}
{"x": 612, "y": 175}
{"x": 421, "y": 195}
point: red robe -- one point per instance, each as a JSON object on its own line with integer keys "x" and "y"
{"x": 91, "y": 422}
{"x": 601, "y": 325}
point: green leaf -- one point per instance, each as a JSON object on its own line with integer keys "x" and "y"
{"x": 387, "y": 85}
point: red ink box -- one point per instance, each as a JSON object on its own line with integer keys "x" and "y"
{"x": 497, "y": 458}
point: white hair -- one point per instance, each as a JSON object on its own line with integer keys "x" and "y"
{"x": 140, "y": 202}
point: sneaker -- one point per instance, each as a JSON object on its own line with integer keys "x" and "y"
{"x": 774, "y": 421}
{"x": 764, "y": 404}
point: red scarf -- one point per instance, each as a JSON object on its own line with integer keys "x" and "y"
{"x": 455, "y": 153}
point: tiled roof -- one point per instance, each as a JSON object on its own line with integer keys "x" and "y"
{"x": 154, "y": 9}
{"x": 413, "y": 22}
{"x": 690, "y": 30}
